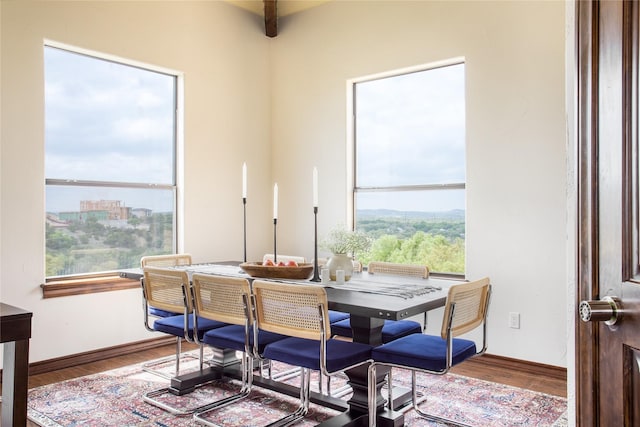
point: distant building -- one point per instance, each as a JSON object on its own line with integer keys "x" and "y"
{"x": 141, "y": 212}
{"x": 114, "y": 208}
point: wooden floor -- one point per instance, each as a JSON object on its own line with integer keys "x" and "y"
{"x": 513, "y": 377}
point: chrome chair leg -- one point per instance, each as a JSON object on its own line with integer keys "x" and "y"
{"x": 372, "y": 395}
{"x": 178, "y": 351}
{"x": 303, "y": 409}
{"x": 422, "y": 414}
{"x": 177, "y": 358}
{"x": 390, "y": 389}
{"x": 340, "y": 392}
{"x": 245, "y": 390}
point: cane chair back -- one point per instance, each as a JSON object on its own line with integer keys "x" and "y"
{"x": 225, "y": 299}
{"x": 167, "y": 289}
{"x": 170, "y": 260}
{"x": 300, "y": 312}
{"x": 466, "y": 308}
{"x": 411, "y": 270}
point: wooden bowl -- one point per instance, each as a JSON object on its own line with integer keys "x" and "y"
{"x": 256, "y": 269}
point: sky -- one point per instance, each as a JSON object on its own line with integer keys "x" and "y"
{"x": 106, "y": 121}
{"x": 410, "y": 130}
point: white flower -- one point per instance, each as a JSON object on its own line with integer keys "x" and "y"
{"x": 343, "y": 241}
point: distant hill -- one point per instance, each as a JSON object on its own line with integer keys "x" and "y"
{"x": 454, "y": 214}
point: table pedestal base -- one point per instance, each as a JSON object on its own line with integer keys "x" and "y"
{"x": 359, "y": 402}
{"x": 223, "y": 357}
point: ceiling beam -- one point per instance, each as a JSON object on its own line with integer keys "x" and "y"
{"x": 271, "y": 17}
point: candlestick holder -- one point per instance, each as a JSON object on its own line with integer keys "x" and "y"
{"x": 275, "y": 252}
{"x": 244, "y": 226}
{"x": 316, "y": 274}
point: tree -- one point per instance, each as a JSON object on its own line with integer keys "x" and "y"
{"x": 93, "y": 228}
{"x": 134, "y": 221}
{"x": 433, "y": 250}
{"x": 57, "y": 240}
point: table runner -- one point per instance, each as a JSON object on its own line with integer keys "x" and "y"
{"x": 379, "y": 286}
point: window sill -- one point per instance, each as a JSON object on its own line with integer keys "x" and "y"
{"x": 86, "y": 285}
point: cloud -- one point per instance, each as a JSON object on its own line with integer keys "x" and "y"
{"x": 105, "y": 121}
{"x": 142, "y": 128}
{"x": 410, "y": 129}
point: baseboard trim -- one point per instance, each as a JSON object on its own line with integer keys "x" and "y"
{"x": 97, "y": 355}
{"x": 532, "y": 368}
{"x": 501, "y": 362}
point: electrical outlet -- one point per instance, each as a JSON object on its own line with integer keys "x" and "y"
{"x": 514, "y": 320}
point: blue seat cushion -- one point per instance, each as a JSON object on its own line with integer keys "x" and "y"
{"x": 306, "y": 353}
{"x": 336, "y": 316}
{"x": 232, "y": 337}
{"x": 421, "y": 351}
{"x": 158, "y": 312}
{"x": 174, "y": 325}
{"x": 391, "y": 330}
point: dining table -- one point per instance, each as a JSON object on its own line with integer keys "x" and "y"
{"x": 15, "y": 333}
{"x": 370, "y": 299}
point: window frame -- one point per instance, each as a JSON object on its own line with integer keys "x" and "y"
{"x": 78, "y": 284}
{"x": 352, "y": 188}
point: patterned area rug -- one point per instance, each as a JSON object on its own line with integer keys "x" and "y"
{"x": 113, "y": 398}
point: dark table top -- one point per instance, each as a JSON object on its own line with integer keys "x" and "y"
{"x": 368, "y": 295}
{"x": 15, "y": 323}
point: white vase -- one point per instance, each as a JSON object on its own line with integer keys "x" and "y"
{"x": 340, "y": 262}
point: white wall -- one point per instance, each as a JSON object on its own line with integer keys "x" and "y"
{"x": 516, "y": 182}
{"x": 279, "y": 104}
{"x": 223, "y": 54}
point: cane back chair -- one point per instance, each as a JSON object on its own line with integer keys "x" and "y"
{"x": 300, "y": 312}
{"x": 465, "y": 310}
{"x": 228, "y": 300}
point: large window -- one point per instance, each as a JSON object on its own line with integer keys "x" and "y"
{"x": 409, "y": 183}
{"x": 110, "y": 163}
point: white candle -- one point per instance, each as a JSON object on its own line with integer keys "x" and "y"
{"x": 315, "y": 187}
{"x": 244, "y": 180}
{"x": 275, "y": 201}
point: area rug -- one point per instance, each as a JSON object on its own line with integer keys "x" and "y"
{"x": 114, "y": 398}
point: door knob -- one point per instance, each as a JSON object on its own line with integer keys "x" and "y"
{"x": 606, "y": 310}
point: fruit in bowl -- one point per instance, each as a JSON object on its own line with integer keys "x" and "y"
{"x": 271, "y": 263}
{"x": 288, "y": 270}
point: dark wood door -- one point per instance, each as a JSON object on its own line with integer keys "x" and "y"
{"x": 608, "y": 353}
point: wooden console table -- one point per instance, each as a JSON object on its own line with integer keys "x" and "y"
{"x": 15, "y": 331}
